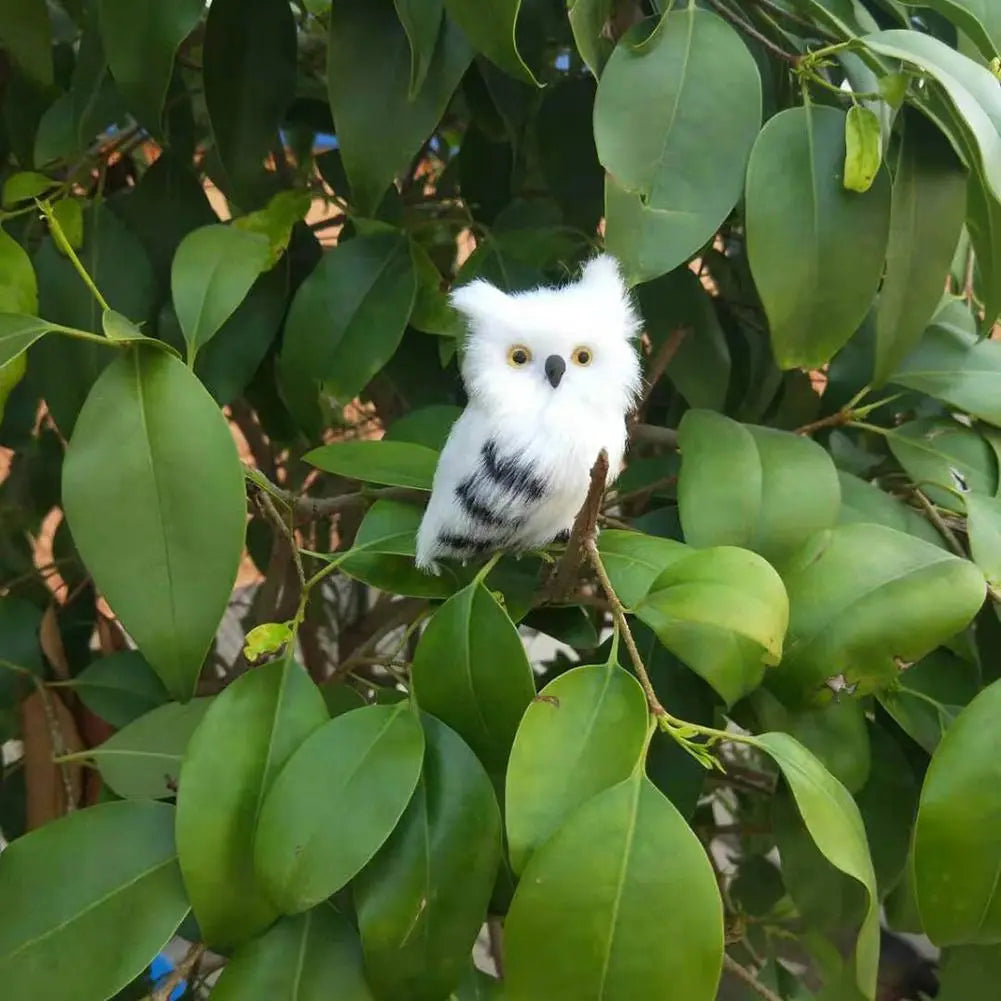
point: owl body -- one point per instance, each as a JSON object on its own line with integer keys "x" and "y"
{"x": 551, "y": 374}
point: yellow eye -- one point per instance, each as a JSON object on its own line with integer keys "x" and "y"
{"x": 519, "y": 355}
{"x": 582, "y": 356}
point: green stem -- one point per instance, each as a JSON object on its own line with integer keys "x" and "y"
{"x": 486, "y": 568}
{"x": 60, "y": 237}
{"x": 865, "y": 95}
{"x": 83, "y": 335}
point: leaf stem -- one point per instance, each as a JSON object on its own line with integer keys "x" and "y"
{"x": 83, "y": 335}
{"x": 64, "y": 245}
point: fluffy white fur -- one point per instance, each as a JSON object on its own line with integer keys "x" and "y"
{"x": 516, "y": 466}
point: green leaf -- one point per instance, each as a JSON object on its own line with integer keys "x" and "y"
{"x": 634, "y": 561}
{"x": 25, "y": 185}
{"x": 26, "y": 34}
{"x": 309, "y": 957}
{"x": 865, "y": 502}
{"x": 212, "y": 272}
{"x": 654, "y": 923}
{"x": 421, "y": 20}
{"x": 249, "y": 59}
{"x": 119, "y": 328}
{"x": 470, "y": 670}
{"x": 348, "y": 316}
{"x": 18, "y": 333}
{"x": 587, "y": 21}
{"x": 926, "y": 216}
{"x": 834, "y": 823}
{"x": 249, "y": 733}
{"x": 956, "y": 850}
{"x": 10, "y": 376}
{"x": 427, "y": 426}
{"x": 956, "y": 367}
{"x": 589, "y": 727}
{"x": 153, "y": 492}
{"x": 863, "y": 148}
{"x": 983, "y": 525}
{"x": 396, "y": 463}
{"x": 335, "y": 803}
{"x": 816, "y": 298}
{"x": 969, "y": 971}
{"x": 276, "y": 220}
{"x": 929, "y": 695}
{"x": 120, "y": 688}
{"x": 723, "y": 611}
{"x": 268, "y": 637}
{"x": 680, "y": 152}
{"x": 490, "y": 26}
{"x": 754, "y": 487}
{"x": 980, "y": 19}
{"x": 379, "y": 127}
{"x": 861, "y": 596}
{"x": 105, "y": 928}
{"x": 143, "y": 760}
{"x": 389, "y": 526}
{"x": 947, "y": 453}
{"x": 421, "y": 900}
{"x": 18, "y": 286}
{"x": 140, "y": 39}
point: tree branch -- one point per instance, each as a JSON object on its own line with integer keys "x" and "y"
{"x": 753, "y": 32}
{"x": 179, "y": 973}
{"x": 664, "y": 356}
{"x": 652, "y": 435}
{"x": 742, "y": 973}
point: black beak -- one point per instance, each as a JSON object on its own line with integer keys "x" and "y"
{"x": 555, "y": 367}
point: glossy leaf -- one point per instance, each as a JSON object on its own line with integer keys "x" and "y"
{"x": 955, "y": 366}
{"x": 18, "y": 333}
{"x": 969, "y": 971}
{"x": 863, "y": 148}
{"x": 421, "y": 21}
{"x": 865, "y": 502}
{"x": 120, "y": 688}
{"x": 399, "y": 464}
{"x": 945, "y": 453}
{"x": 956, "y": 852}
{"x": 348, "y": 316}
{"x": 252, "y": 729}
{"x": 589, "y": 727}
{"x": 27, "y": 36}
{"x": 754, "y": 487}
{"x": 680, "y": 153}
{"x": 335, "y": 803}
{"x": 634, "y": 561}
{"x": 587, "y": 20}
{"x": 926, "y": 215}
{"x": 108, "y": 926}
{"x": 983, "y": 525}
{"x": 723, "y": 611}
{"x": 153, "y": 492}
{"x": 308, "y": 957}
{"x": 143, "y": 759}
{"x": 834, "y": 823}
{"x": 627, "y": 860}
{"x": 140, "y": 39}
{"x": 18, "y": 285}
{"x": 119, "y": 328}
{"x": 249, "y": 72}
{"x": 490, "y": 27}
{"x": 861, "y": 596}
{"x": 380, "y": 123}
{"x": 213, "y": 270}
{"x": 816, "y": 298}
{"x": 470, "y": 670}
{"x": 421, "y": 900}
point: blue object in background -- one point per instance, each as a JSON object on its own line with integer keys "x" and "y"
{"x": 162, "y": 967}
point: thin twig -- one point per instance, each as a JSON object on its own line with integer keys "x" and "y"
{"x": 753, "y": 32}
{"x": 795, "y": 19}
{"x": 650, "y": 434}
{"x": 622, "y": 623}
{"x": 939, "y": 522}
{"x": 267, "y": 505}
{"x": 563, "y": 579}
{"x": 179, "y": 973}
{"x": 664, "y": 356}
{"x": 742, "y": 973}
{"x": 315, "y": 508}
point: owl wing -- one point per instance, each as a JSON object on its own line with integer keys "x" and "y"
{"x": 481, "y": 497}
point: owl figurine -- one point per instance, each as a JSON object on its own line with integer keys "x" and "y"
{"x": 551, "y": 374}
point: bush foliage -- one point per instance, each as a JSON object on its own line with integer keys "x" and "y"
{"x": 226, "y": 349}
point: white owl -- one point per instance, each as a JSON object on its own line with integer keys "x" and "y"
{"x": 551, "y": 374}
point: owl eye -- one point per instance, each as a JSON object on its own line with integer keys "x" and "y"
{"x": 582, "y": 356}
{"x": 519, "y": 355}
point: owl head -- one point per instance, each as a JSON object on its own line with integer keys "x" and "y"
{"x": 552, "y": 349}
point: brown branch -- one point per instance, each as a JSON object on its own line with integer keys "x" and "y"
{"x": 619, "y": 615}
{"x": 563, "y": 579}
{"x": 396, "y": 614}
{"x": 836, "y": 420}
{"x": 650, "y": 434}
{"x": 664, "y": 356}
{"x": 179, "y": 973}
{"x": 749, "y": 979}
{"x": 268, "y": 509}
{"x": 315, "y": 508}
{"x": 939, "y": 522}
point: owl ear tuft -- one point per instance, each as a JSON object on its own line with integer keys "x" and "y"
{"x": 602, "y": 281}
{"x": 479, "y": 301}
{"x": 602, "y": 274}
